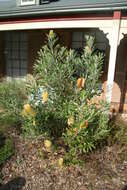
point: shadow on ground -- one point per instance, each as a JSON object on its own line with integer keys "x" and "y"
{"x": 15, "y": 184}
{"x": 125, "y": 188}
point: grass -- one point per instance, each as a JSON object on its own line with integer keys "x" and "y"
{"x": 118, "y": 131}
{"x": 6, "y": 150}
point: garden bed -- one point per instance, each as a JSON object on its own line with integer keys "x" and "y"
{"x": 106, "y": 168}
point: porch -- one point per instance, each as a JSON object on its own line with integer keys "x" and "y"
{"x": 20, "y": 41}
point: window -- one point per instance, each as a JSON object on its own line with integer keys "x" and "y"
{"x": 28, "y": 2}
{"x": 44, "y": 1}
{"x": 78, "y": 40}
{"x": 16, "y": 48}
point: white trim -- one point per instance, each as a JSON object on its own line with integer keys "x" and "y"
{"x": 57, "y": 24}
{"x": 124, "y": 23}
{"x": 112, "y": 59}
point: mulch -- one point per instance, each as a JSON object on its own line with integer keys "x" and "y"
{"x": 34, "y": 168}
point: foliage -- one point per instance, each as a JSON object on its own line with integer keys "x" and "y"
{"x": 64, "y": 98}
{"x": 29, "y": 128}
{"x": 89, "y": 66}
{"x": 12, "y": 95}
{"x": 54, "y": 78}
{"x": 6, "y": 149}
{"x": 90, "y": 127}
{"x": 55, "y": 68}
{"x": 118, "y": 131}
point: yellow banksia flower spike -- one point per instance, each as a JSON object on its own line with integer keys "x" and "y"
{"x": 34, "y": 123}
{"x": 70, "y": 121}
{"x": 80, "y": 83}
{"x": 51, "y": 33}
{"x": 88, "y": 49}
{"x": 23, "y": 113}
{"x": 47, "y": 144}
{"x": 75, "y": 131}
{"x": 27, "y": 107}
{"x": 60, "y": 162}
{"x": 69, "y": 131}
{"x": 84, "y": 124}
{"x": 28, "y": 110}
{"x": 45, "y": 96}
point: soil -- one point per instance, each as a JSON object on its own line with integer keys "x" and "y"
{"x": 35, "y": 168}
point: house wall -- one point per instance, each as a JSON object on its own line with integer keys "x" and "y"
{"x": 119, "y": 95}
{"x": 35, "y": 40}
{"x": 124, "y": 105}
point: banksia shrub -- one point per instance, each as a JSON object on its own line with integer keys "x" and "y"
{"x": 65, "y": 86}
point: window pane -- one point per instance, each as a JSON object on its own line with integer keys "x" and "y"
{"x": 8, "y": 46}
{"x": 9, "y": 63}
{"x": 16, "y": 64}
{"x": 23, "y": 46}
{"x": 9, "y": 72}
{"x": 23, "y": 54}
{"x": 15, "y": 45}
{"x": 77, "y": 36}
{"x": 15, "y": 37}
{"x": 15, "y": 54}
{"x": 8, "y": 54}
{"x": 23, "y": 37}
{"x": 16, "y": 73}
{"x": 23, "y": 64}
{"x": 23, "y": 73}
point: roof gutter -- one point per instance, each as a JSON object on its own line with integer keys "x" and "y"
{"x": 37, "y": 11}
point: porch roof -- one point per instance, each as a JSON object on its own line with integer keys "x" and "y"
{"x": 11, "y": 8}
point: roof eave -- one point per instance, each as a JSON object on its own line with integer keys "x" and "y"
{"x": 53, "y": 11}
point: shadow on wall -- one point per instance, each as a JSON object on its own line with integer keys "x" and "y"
{"x": 120, "y": 74}
{"x": 15, "y": 184}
